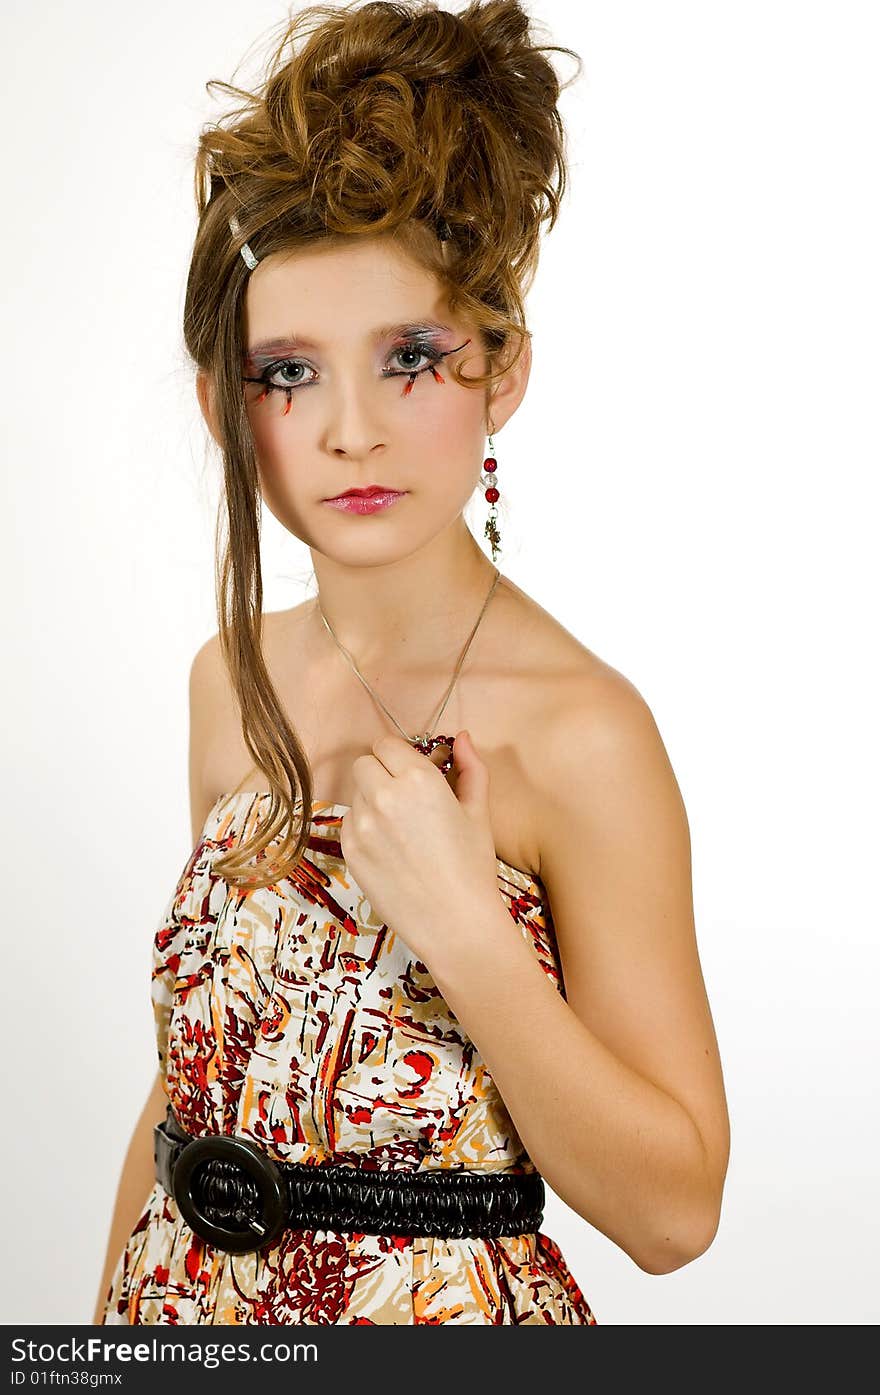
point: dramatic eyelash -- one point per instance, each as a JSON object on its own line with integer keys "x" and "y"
{"x": 428, "y": 350}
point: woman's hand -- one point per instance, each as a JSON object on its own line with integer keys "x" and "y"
{"x": 422, "y": 853}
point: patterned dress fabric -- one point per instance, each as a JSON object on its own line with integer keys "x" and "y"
{"x": 291, "y": 1015}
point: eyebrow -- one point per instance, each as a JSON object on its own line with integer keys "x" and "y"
{"x": 291, "y": 342}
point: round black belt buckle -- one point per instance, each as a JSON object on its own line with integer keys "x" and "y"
{"x": 251, "y": 1232}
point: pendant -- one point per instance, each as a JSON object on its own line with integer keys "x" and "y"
{"x": 428, "y": 744}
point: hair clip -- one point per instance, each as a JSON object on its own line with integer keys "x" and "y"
{"x": 249, "y": 258}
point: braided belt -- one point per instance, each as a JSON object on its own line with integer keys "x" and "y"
{"x": 235, "y": 1196}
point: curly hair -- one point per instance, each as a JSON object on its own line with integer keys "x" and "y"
{"x": 391, "y": 118}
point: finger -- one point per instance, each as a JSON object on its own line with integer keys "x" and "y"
{"x": 368, "y": 775}
{"x": 395, "y": 754}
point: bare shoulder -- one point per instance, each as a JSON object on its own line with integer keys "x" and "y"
{"x": 207, "y": 670}
{"x": 603, "y": 759}
{"x": 281, "y": 626}
{"x": 208, "y": 715}
{"x": 582, "y": 717}
{"x": 601, "y": 724}
{"x": 578, "y": 719}
{"x": 219, "y": 761}
{"x": 210, "y": 687}
{"x": 554, "y": 652}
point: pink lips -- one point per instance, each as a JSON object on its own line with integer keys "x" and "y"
{"x": 365, "y": 503}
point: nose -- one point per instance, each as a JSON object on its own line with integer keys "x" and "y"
{"x": 354, "y": 429}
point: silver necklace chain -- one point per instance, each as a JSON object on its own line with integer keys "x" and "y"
{"x": 427, "y": 734}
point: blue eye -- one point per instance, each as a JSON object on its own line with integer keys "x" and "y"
{"x": 293, "y": 365}
{"x": 282, "y": 366}
{"x": 424, "y": 351}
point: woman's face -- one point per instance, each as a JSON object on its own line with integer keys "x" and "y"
{"x": 358, "y": 342}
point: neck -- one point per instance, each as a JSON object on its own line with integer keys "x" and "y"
{"x": 417, "y": 610}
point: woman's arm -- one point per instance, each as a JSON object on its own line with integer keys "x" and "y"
{"x": 206, "y": 690}
{"x": 617, "y": 1091}
{"x": 138, "y": 1168}
{"x": 135, "y": 1184}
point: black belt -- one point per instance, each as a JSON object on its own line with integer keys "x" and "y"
{"x": 234, "y": 1195}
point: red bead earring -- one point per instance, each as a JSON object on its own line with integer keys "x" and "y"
{"x": 489, "y": 480}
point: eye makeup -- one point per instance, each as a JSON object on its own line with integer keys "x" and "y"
{"x": 418, "y": 344}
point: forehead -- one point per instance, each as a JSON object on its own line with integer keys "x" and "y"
{"x": 333, "y": 294}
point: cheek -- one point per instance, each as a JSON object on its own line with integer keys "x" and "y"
{"x": 280, "y": 447}
{"x": 444, "y": 435}
{"x": 275, "y": 435}
{"x": 280, "y": 442}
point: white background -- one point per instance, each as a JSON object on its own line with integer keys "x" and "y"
{"x": 690, "y": 487}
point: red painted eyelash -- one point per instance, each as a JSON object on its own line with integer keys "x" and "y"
{"x": 426, "y": 349}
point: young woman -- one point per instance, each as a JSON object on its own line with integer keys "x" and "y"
{"x": 435, "y": 938}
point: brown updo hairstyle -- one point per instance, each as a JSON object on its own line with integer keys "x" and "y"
{"x": 374, "y": 118}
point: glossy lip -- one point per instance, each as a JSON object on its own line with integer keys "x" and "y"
{"x": 365, "y": 503}
{"x": 366, "y": 492}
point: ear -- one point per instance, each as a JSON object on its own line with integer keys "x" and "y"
{"x": 205, "y": 394}
{"x": 510, "y": 390}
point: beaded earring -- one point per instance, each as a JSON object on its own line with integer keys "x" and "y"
{"x": 488, "y": 479}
